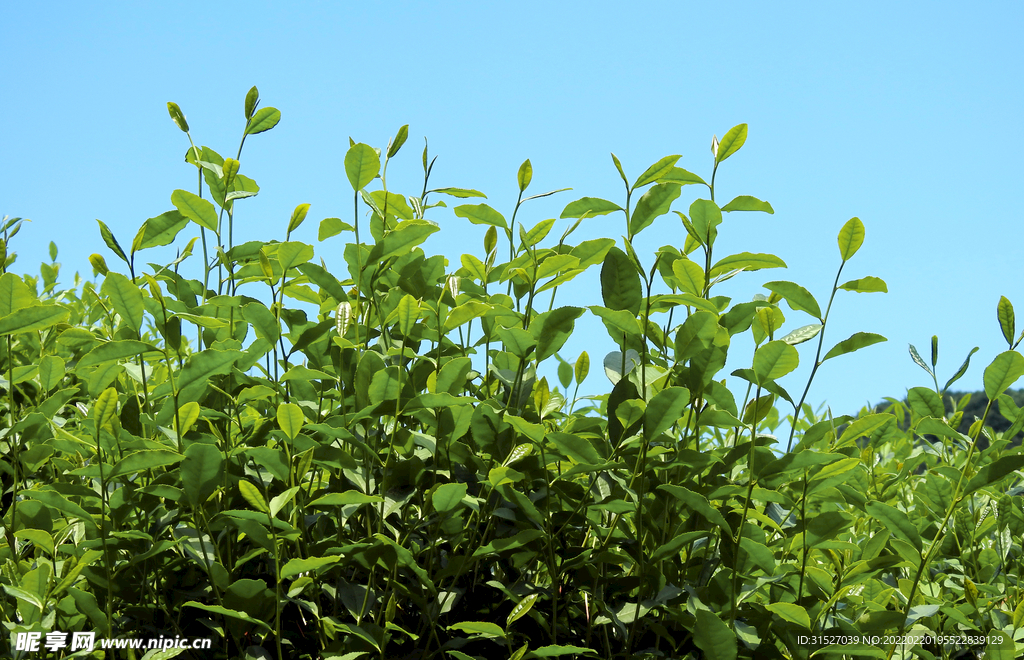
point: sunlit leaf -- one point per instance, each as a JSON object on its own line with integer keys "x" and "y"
{"x": 851, "y": 237}
{"x": 362, "y": 163}
{"x": 857, "y": 341}
{"x": 264, "y": 119}
{"x": 195, "y": 208}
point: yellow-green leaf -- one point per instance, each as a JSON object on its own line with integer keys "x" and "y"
{"x": 195, "y": 208}
{"x": 105, "y": 409}
{"x": 290, "y": 419}
{"x": 253, "y": 496}
{"x": 187, "y": 416}
{"x": 851, "y": 237}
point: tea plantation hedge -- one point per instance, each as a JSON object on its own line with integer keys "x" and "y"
{"x": 371, "y": 462}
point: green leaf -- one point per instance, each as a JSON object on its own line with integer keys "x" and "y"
{"x": 482, "y": 628}
{"x": 1004, "y": 312}
{"x": 697, "y": 503}
{"x": 298, "y": 215}
{"x": 104, "y": 409}
{"x": 575, "y": 447}
{"x": 866, "y": 285}
{"x": 555, "y": 650}
{"x": 161, "y": 230}
{"x": 361, "y": 165}
{"x": 620, "y": 283}
{"x": 51, "y": 371}
{"x": 344, "y": 499}
{"x": 896, "y": 522}
{"x": 461, "y": 193}
{"x": 252, "y": 98}
{"x": 195, "y": 377}
{"x": 520, "y": 610}
{"x": 552, "y": 329}
{"x": 774, "y": 360}
{"x": 234, "y": 614}
{"x": 799, "y": 298}
{"x": 177, "y": 116}
{"x": 400, "y": 138}
{"x": 263, "y": 321}
{"x": 292, "y": 254}
{"x": 689, "y": 275}
{"x": 994, "y": 472}
{"x": 791, "y": 612}
{"x": 31, "y": 319}
{"x": 537, "y": 233}
{"x": 592, "y": 252}
{"x": 312, "y": 564}
{"x": 517, "y": 341}
{"x": 864, "y": 426}
{"x": 525, "y": 175}
{"x": 408, "y": 311}
{"x": 732, "y": 142}
{"x": 582, "y": 367}
{"x": 201, "y": 471}
{"x": 654, "y": 203}
{"x": 323, "y": 279}
{"x": 332, "y": 227}
{"x": 712, "y": 635}
{"x": 618, "y": 322}
{"x": 962, "y": 370}
{"x": 55, "y": 500}
{"x": 1002, "y": 373}
{"x": 253, "y": 496}
{"x": 290, "y": 419}
{"x": 1002, "y": 648}
{"x": 656, "y": 171}
{"x": 118, "y": 350}
{"x": 448, "y": 496}
{"x": 748, "y": 261}
{"x": 263, "y": 120}
{"x": 664, "y": 409}
{"x": 188, "y": 414}
{"x": 825, "y": 526}
{"x": 146, "y": 459}
{"x": 126, "y": 297}
{"x": 682, "y": 177}
{"x": 589, "y": 207}
{"x": 618, "y": 166}
{"x": 925, "y": 402}
{"x": 748, "y": 203}
{"x": 108, "y": 238}
{"x": 705, "y": 216}
{"x": 195, "y": 208}
{"x": 851, "y": 237}
{"x": 402, "y": 239}
{"x": 857, "y": 341}
{"x": 14, "y": 294}
{"x": 481, "y": 214}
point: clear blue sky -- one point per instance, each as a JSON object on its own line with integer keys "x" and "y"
{"x": 906, "y": 115}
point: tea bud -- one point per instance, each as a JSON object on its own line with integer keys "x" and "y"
{"x": 714, "y": 146}
{"x": 344, "y": 318}
{"x": 452, "y": 284}
{"x": 99, "y": 264}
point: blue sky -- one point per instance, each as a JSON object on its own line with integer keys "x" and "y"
{"x": 906, "y": 116}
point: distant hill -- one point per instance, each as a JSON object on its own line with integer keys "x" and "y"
{"x": 973, "y": 409}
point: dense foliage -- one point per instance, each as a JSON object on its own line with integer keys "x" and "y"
{"x": 367, "y": 464}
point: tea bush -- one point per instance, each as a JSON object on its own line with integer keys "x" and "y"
{"x": 301, "y": 463}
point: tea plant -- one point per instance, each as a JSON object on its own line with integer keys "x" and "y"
{"x": 308, "y": 464}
